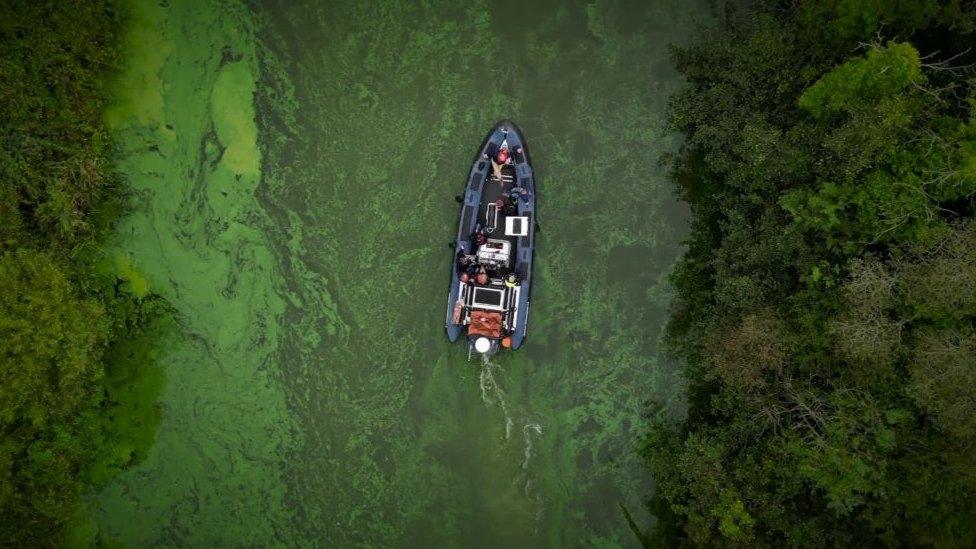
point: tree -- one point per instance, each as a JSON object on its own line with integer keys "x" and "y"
{"x": 943, "y": 379}
{"x": 825, "y": 303}
{"x": 868, "y": 333}
{"x": 49, "y": 368}
{"x": 882, "y": 75}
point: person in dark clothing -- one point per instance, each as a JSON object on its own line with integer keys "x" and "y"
{"x": 520, "y": 192}
{"x": 478, "y": 237}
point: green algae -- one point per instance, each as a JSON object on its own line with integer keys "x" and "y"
{"x": 293, "y": 166}
{"x": 369, "y": 123}
{"x": 121, "y": 266}
{"x": 184, "y": 118}
{"x": 234, "y": 121}
{"x": 140, "y": 93}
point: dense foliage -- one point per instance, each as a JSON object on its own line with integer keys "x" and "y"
{"x": 826, "y": 303}
{"x": 69, "y": 395}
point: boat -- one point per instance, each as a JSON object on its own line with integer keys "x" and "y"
{"x": 491, "y": 276}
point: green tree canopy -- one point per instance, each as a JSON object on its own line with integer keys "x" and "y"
{"x": 825, "y": 303}
{"x": 882, "y": 75}
{"x": 49, "y": 366}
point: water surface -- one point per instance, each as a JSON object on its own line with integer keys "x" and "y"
{"x": 294, "y": 166}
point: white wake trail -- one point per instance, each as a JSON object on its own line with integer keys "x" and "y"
{"x": 492, "y": 393}
{"x": 527, "y": 431}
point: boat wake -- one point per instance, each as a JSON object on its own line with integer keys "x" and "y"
{"x": 492, "y": 393}
{"x": 527, "y": 431}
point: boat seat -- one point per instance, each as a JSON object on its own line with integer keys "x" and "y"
{"x": 516, "y": 226}
{"x": 506, "y": 179}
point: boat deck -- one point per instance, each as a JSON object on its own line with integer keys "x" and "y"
{"x": 482, "y": 219}
{"x": 492, "y": 191}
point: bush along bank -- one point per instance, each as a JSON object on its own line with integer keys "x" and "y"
{"x": 77, "y": 384}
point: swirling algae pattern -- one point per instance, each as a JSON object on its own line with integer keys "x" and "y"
{"x": 292, "y": 166}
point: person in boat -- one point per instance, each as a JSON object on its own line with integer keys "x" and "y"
{"x": 511, "y": 280}
{"x": 466, "y": 265}
{"x": 478, "y": 237}
{"x": 500, "y": 204}
{"x": 519, "y": 192}
{"x": 482, "y": 277}
{"x": 501, "y": 158}
{"x": 511, "y": 207}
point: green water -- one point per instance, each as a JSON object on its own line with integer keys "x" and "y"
{"x": 294, "y": 166}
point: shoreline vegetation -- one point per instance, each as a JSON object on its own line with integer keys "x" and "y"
{"x": 78, "y": 386}
{"x": 825, "y": 304}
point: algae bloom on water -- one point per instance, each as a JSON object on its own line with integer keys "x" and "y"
{"x": 290, "y": 170}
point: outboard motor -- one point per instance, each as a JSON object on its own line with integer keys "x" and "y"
{"x": 484, "y": 346}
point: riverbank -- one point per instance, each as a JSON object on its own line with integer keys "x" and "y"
{"x": 78, "y": 390}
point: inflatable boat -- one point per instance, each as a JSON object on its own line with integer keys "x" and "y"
{"x": 491, "y": 278}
